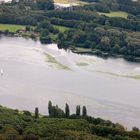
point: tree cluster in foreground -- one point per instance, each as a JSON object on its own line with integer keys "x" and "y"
{"x": 60, "y": 125}
{"x": 56, "y": 112}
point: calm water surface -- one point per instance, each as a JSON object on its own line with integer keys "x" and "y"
{"x": 35, "y": 73}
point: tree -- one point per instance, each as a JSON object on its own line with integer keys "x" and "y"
{"x": 27, "y": 113}
{"x": 57, "y": 112}
{"x": 116, "y": 48}
{"x": 36, "y": 112}
{"x": 135, "y": 129}
{"x": 50, "y": 108}
{"x": 30, "y": 137}
{"x": 45, "y": 4}
{"x": 84, "y": 111}
{"x": 44, "y": 33}
{"x": 67, "y": 111}
{"x": 28, "y": 28}
{"x": 19, "y": 129}
{"x": 105, "y": 43}
{"x": 78, "y": 110}
{"x": 45, "y": 39}
{"x": 45, "y": 24}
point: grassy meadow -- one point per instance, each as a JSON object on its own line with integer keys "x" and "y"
{"x": 77, "y": 2}
{"x": 115, "y": 14}
{"x": 61, "y": 28}
{"x": 11, "y": 27}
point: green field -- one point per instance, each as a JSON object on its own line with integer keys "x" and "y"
{"x": 61, "y": 28}
{"x": 77, "y": 2}
{"x": 14, "y": 28}
{"x": 11, "y": 27}
{"x": 115, "y": 14}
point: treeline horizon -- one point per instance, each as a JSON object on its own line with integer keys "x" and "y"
{"x": 56, "y": 112}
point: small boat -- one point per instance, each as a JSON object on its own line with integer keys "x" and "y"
{"x": 1, "y": 72}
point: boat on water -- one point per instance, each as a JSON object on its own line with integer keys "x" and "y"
{"x": 1, "y": 72}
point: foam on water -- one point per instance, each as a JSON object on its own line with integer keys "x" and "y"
{"x": 93, "y": 63}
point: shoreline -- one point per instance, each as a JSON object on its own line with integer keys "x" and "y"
{"x": 107, "y": 55}
{"x": 104, "y": 55}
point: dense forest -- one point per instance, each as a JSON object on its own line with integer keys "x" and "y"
{"x": 60, "y": 125}
{"x": 89, "y": 30}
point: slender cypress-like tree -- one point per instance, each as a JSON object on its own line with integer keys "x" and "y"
{"x": 67, "y": 110}
{"x": 50, "y": 108}
{"x": 78, "y": 110}
{"x": 84, "y": 111}
{"x": 36, "y": 112}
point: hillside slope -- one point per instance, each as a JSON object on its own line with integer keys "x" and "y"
{"x": 16, "y": 125}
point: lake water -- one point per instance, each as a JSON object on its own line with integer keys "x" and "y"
{"x": 35, "y": 74}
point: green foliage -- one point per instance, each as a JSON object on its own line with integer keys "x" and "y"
{"x": 36, "y": 112}
{"x": 84, "y": 111}
{"x": 78, "y": 110}
{"x": 57, "y": 112}
{"x": 17, "y": 125}
{"x": 45, "y": 39}
{"x": 45, "y": 4}
{"x": 50, "y": 108}
{"x": 67, "y": 111}
{"x": 135, "y": 129}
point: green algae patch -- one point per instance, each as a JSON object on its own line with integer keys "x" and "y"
{"x": 52, "y": 60}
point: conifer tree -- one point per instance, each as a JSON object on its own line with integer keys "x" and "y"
{"x": 84, "y": 111}
{"x": 67, "y": 110}
{"x": 78, "y": 110}
{"x": 36, "y": 112}
{"x": 50, "y": 108}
